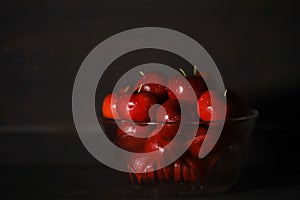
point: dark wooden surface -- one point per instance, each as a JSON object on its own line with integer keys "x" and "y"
{"x": 92, "y": 182}
{"x": 55, "y": 165}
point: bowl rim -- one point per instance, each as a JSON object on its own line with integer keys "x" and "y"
{"x": 252, "y": 114}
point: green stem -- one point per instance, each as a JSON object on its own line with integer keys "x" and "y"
{"x": 195, "y": 70}
{"x": 182, "y": 71}
{"x": 140, "y": 88}
{"x": 142, "y": 73}
{"x": 225, "y": 93}
{"x": 126, "y": 89}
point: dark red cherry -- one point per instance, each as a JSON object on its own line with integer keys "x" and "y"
{"x": 109, "y": 106}
{"x": 137, "y": 108}
{"x": 160, "y": 174}
{"x": 134, "y": 130}
{"x": 180, "y": 89}
{"x": 207, "y": 77}
{"x": 200, "y": 137}
{"x": 192, "y": 162}
{"x": 169, "y": 111}
{"x": 153, "y": 83}
{"x": 156, "y": 142}
{"x": 185, "y": 172}
{"x": 168, "y": 172}
{"x": 198, "y": 84}
{"x": 193, "y": 177}
{"x": 198, "y": 169}
{"x": 139, "y": 166}
{"x": 205, "y": 108}
{"x": 168, "y": 130}
{"x": 150, "y": 176}
{"x": 177, "y": 171}
{"x": 197, "y": 142}
{"x": 131, "y": 143}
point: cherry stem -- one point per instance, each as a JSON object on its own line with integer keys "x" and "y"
{"x": 195, "y": 70}
{"x": 182, "y": 71}
{"x": 225, "y": 93}
{"x": 142, "y": 73}
{"x": 140, "y": 88}
{"x": 126, "y": 89}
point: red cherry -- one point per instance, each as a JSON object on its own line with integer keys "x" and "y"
{"x": 160, "y": 174}
{"x": 168, "y": 130}
{"x": 156, "y": 142}
{"x": 139, "y": 164}
{"x": 177, "y": 171}
{"x": 193, "y": 177}
{"x": 153, "y": 83}
{"x": 185, "y": 171}
{"x": 133, "y": 144}
{"x": 205, "y": 76}
{"x": 205, "y": 108}
{"x": 168, "y": 172}
{"x": 169, "y": 111}
{"x": 192, "y": 162}
{"x": 196, "y": 165}
{"x": 197, "y": 142}
{"x": 134, "y": 130}
{"x": 137, "y": 108}
{"x": 198, "y": 84}
{"x": 109, "y": 106}
{"x": 150, "y": 176}
{"x": 178, "y": 88}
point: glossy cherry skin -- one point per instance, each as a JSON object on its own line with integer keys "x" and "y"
{"x": 177, "y": 171}
{"x": 208, "y": 78}
{"x": 109, "y": 107}
{"x": 168, "y": 172}
{"x": 169, "y": 111}
{"x": 197, "y": 142}
{"x": 178, "y": 88}
{"x": 168, "y": 130}
{"x": 198, "y": 84}
{"x": 134, "y": 130}
{"x": 156, "y": 142}
{"x": 139, "y": 165}
{"x": 131, "y": 143}
{"x": 137, "y": 108}
{"x": 153, "y": 83}
{"x": 133, "y": 137}
{"x": 192, "y": 162}
{"x": 205, "y": 107}
{"x": 185, "y": 172}
{"x": 196, "y": 166}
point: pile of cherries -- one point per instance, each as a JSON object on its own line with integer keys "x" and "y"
{"x": 134, "y": 103}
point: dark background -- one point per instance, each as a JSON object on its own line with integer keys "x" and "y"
{"x": 42, "y": 44}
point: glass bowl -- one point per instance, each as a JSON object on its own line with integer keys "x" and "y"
{"x": 189, "y": 175}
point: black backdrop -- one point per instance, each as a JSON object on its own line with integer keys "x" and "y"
{"x": 254, "y": 43}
